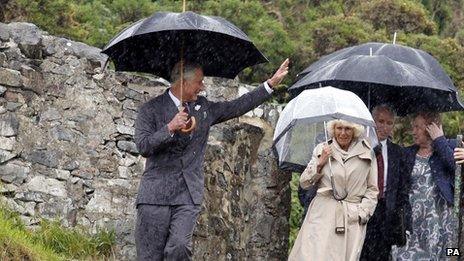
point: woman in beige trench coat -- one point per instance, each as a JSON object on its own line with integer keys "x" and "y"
{"x": 335, "y": 229}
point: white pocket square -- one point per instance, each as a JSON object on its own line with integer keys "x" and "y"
{"x": 197, "y": 107}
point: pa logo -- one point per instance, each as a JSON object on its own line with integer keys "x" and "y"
{"x": 452, "y": 251}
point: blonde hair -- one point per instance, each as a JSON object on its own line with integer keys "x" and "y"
{"x": 357, "y": 129}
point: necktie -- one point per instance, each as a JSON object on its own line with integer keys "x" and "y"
{"x": 186, "y": 106}
{"x": 380, "y": 169}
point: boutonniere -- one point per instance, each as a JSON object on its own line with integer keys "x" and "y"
{"x": 197, "y": 107}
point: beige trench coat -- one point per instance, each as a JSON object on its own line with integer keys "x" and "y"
{"x": 355, "y": 171}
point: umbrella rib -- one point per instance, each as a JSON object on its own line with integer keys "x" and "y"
{"x": 284, "y": 131}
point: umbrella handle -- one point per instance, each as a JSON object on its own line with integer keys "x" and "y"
{"x": 191, "y": 122}
{"x": 457, "y": 180}
{"x": 326, "y": 136}
{"x": 192, "y": 119}
{"x": 192, "y": 125}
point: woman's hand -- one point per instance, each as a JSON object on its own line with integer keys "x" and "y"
{"x": 326, "y": 153}
{"x": 434, "y": 130}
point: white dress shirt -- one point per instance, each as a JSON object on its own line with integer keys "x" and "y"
{"x": 385, "y": 163}
{"x": 177, "y": 101}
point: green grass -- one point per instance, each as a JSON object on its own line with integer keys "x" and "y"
{"x": 50, "y": 241}
{"x": 75, "y": 242}
{"x": 16, "y": 243}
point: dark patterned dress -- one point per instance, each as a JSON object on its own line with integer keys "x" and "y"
{"x": 433, "y": 222}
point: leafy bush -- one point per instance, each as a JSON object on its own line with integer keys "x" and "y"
{"x": 296, "y": 211}
{"x": 397, "y": 15}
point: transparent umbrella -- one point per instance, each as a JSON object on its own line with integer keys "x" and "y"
{"x": 301, "y": 125}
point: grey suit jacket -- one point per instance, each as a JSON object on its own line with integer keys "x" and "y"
{"x": 174, "y": 168}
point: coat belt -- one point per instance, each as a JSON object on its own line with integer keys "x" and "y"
{"x": 340, "y": 209}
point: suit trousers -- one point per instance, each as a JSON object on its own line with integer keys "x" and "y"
{"x": 165, "y": 232}
{"x": 377, "y": 243}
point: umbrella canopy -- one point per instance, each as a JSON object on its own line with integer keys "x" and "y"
{"x": 378, "y": 79}
{"x": 300, "y": 126}
{"x": 396, "y": 52}
{"x": 155, "y": 44}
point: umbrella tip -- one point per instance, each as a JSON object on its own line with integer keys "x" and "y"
{"x": 103, "y": 67}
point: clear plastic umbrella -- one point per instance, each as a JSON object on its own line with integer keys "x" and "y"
{"x": 301, "y": 125}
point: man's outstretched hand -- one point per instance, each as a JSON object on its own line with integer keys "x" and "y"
{"x": 279, "y": 74}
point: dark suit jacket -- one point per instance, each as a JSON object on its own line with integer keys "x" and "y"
{"x": 174, "y": 169}
{"x": 396, "y": 194}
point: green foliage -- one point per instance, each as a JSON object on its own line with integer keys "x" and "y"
{"x": 402, "y": 131}
{"x": 103, "y": 19}
{"x": 58, "y": 17}
{"x": 453, "y": 124}
{"x": 398, "y": 15}
{"x": 50, "y": 241}
{"x": 98, "y": 23}
{"x": 460, "y": 37}
{"x": 331, "y": 8}
{"x": 332, "y": 33}
{"x": 130, "y": 11}
{"x": 267, "y": 33}
{"x": 301, "y": 30}
{"x": 441, "y": 11}
{"x": 296, "y": 211}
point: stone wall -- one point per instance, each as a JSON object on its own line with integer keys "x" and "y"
{"x": 67, "y": 153}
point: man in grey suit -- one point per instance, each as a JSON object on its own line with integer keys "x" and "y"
{"x": 171, "y": 188}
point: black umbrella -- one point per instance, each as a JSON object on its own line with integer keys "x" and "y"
{"x": 378, "y": 79}
{"x": 396, "y": 52}
{"x": 156, "y": 43}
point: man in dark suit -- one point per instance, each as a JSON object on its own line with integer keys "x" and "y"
{"x": 382, "y": 228}
{"x": 171, "y": 188}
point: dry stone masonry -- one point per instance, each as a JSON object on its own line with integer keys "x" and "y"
{"x": 67, "y": 151}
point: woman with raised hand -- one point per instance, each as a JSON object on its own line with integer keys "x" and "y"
{"x": 429, "y": 218}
